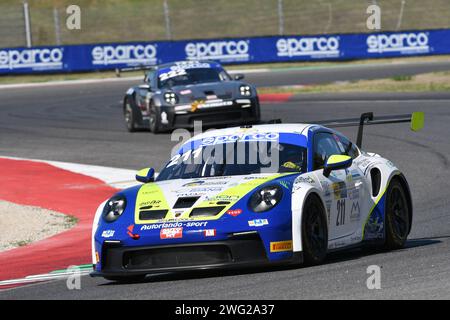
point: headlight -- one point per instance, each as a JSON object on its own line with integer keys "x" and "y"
{"x": 265, "y": 198}
{"x": 114, "y": 208}
{"x": 245, "y": 90}
{"x": 170, "y": 97}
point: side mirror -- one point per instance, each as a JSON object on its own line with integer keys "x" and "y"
{"x": 239, "y": 76}
{"x": 146, "y": 175}
{"x": 336, "y": 162}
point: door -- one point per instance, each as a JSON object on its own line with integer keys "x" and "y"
{"x": 341, "y": 190}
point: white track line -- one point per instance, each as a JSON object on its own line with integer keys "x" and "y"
{"x": 43, "y": 277}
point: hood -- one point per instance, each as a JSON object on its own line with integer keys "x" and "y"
{"x": 207, "y": 91}
{"x": 184, "y": 199}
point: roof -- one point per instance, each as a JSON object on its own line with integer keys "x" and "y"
{"x": 296, "y": 128}
{"x": 284, "y": 132}
{"x": 174, "y": 63}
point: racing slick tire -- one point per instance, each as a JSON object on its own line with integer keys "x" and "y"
{"x": 129, "y": 112}
{"x": 314, "y": 231}
{"x": 155, "y": 119}
{"x": 397, "y": 216}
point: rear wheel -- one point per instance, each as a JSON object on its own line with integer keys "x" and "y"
{"x": 314, "y": 231}
{"x": 130, "y": 115}
{"x": 397, "y": 216}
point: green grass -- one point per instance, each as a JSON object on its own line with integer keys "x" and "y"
{"x": 135, "y": 20}
{"x": 402, "y": 78}
{"x": 21, "y": 243}
{"x": 70, "y": 221}
{"x": 429, "y": 82}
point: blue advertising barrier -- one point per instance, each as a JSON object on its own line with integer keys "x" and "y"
{"x": 92, "y": 57}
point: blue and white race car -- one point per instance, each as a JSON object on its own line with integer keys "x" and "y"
{"x": 255, "y": 195}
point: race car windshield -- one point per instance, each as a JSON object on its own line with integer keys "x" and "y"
{"x": 190, "y": 76}
{"x": 238, "y": 158}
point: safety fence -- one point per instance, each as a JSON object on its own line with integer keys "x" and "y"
{"x": 97, "y": 57}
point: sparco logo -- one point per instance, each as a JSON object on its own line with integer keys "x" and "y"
{"x": 37, "y": 59}
{"x": 400, "y": 42}
{"x": 218, "y": 50}
{"x": 125, "y": 54}
{"x": 315, "y": 47}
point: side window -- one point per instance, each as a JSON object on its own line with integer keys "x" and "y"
{"x": 324, "y": 146}
{"x": 348, "y": 148}
{"x": 149, "y": 77}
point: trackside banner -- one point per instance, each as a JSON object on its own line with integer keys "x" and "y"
{"x": 73, "y": 58}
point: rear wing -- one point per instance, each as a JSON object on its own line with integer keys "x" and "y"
{"x": 130, "y": 69}
{"x": 416, "y": 119}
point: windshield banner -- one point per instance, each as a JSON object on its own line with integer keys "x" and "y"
{"x": 97, "y": 57}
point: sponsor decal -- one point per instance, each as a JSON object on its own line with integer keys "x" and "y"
{"x": 306, "y": 180}
{"x": 326, "y": 188}
{"x": 353, "y": 193}
{"x": 281, "y": 246}
{"x": 339, "y": 190}
{"x": 328, "y": 207}
{"x": 314, "y": 47}
{"x": 266, "y": 136}
{"x": 108, "y": 233}
{"x": 223, "y": 197}
{"x": 209, "y": 233}
{"x": 124, "y": 54}
{"x": 285, "y": 184}
{"x": 132, "y": 235}
{"x": 185, "y": 92}
{"x": 194, "y": 184}
{"x": 150, "y": 204}
{"x": 258, "y": 222}
{"x": 197, "y": 190}
{"x": 355, "y": 213}
{"x": 235, "y": 212}
{"x": 230, "y": 50}
{"x": 406, "y": 43}
{"x": 364, "y": 163}
{"x": 174, "y": 72}
{"x": 204, "y": 183}
{"x": 390, "y": 164}
{"x": 374, "y": 229}
{"x": 174, "y": 224}
{"x": 171, "y": 233}
{"x": 36, "y": 59}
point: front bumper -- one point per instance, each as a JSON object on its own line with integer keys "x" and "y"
{"x": 238, "y": 252}
{"x": 211, "y": 113}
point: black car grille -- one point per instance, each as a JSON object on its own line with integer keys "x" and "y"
{"x": 206, "y": 212}
{"x": 185, "y": 202}
{"x": 176, "y": 257}
{"x": 152, "y": 214}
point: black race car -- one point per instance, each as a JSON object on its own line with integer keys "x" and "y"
{"x": 175, "y": 95}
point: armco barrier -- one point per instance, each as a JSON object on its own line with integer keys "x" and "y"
{"x": 73, "y": 58}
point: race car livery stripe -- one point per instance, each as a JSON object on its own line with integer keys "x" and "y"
{"x": 150, "y": 198}
{"x": 377, "y": 201}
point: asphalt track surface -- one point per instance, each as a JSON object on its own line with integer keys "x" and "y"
{"x": 83, "y": 124}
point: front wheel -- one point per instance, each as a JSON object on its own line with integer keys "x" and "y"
{"x": 397, "y": 216}
{"x": 155, "y": 119}
{"x": 129, "y": 114}
{"x": 314, "y": 231}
